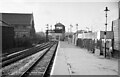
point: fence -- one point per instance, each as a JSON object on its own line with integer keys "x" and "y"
{"x": 90, "y": 44}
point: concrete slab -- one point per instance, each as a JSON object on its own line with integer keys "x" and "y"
{"x": 60, "y": 62}
{"x": 72, "y": 60}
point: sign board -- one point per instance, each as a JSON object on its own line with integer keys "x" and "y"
{"x": 80, "y": 36}
{"x": 92, "y": 35}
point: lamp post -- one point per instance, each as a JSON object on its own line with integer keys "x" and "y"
{"x": 105, "y": 33}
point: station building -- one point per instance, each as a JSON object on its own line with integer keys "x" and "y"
{"x": 23, "y": 23}
{"x": 20, "y": 24}
{"x": 116, "y": 30}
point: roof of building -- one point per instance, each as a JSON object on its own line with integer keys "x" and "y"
{"x": 59, "y": 24}
{"x": 17, "y": 18}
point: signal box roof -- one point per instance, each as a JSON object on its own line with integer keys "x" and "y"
{"x": 59, "y": 24}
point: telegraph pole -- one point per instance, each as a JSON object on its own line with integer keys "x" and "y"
{"x": 71, "y": 28}
{"x": 77, "y": 29}
{"x": 51, "y": 27}
{"x": 47, "y": 26}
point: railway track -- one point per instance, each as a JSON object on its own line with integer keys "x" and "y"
{"x": 19, "y": 52}
{"x": 20, "y": 55}
{"x": 40, "y": 66}
{"x": 10, "y": 51}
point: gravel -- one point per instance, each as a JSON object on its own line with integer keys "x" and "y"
{"x": 41, "y": 66}
{"x": 16, "y": 67}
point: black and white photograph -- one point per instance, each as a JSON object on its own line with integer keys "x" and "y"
{"x": 59, "y": 38}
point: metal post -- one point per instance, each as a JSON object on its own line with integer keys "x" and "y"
{"x": 105, "y": 33}
{"x": 105, "y": 44}
{"x": 71, "y": 33}
{"x": 77, "y": 34}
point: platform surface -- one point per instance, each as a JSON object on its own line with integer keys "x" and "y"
{"x": 72, "y": 60}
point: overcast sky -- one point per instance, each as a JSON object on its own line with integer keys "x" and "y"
{"x": 87, "y": 14}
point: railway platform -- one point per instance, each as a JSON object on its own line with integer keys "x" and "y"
{"x": 72, "y": 60}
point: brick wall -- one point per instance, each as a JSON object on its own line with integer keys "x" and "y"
{"x": 7, "y": 37}
{"x": 116, "y": 29}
